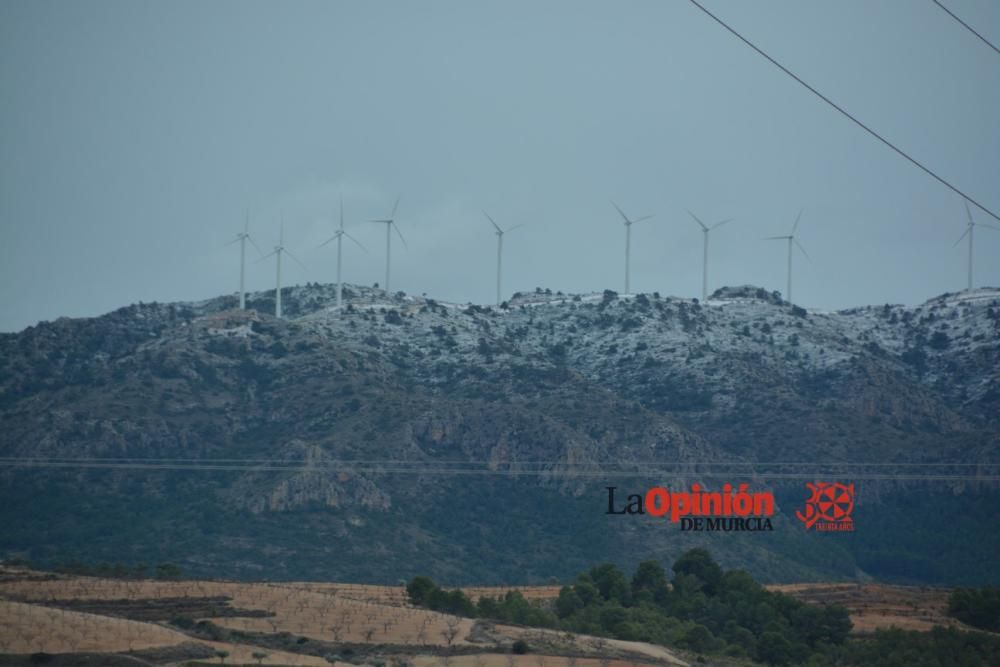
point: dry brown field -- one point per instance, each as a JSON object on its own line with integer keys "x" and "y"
{"x": 59, "y": 614}
{"x": 304, "y": 623}
{"x": 880, "y": 606}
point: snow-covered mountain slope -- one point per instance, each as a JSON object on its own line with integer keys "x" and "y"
{"x": 564, "y": 392}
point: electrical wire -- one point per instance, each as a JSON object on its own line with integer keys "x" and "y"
{"x": 844, "y": 111}
{"x": 821, "y": 470}
{"x": 966, "y": 26}
{"x": 103, "y": 459}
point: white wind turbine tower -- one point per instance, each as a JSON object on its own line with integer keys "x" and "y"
{"x": 791, "y": 239}
{"x": 242, "y": 238}
{"x": 969, "y": 229}
{"x": 390, "y": 223}
{"x": 704, "y": 262}
{"x": 628, "y": 240}
{"x": 278, "y": 251}
{"x": 338, "y": 236}
{"x": 499, "y": 232}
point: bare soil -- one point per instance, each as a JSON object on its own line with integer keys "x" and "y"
{"x": 295, "y": 623}
{"x": 880, "y": 606}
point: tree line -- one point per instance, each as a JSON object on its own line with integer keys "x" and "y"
{"x": 979, "y": 608}
{"x": 707, "y": 610}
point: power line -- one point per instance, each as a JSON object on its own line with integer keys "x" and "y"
{"x": 822, "y": 471}
{"x": 966, "y": 26}
{"x": 433, "y": 462}
{"x": 844, "y": 111}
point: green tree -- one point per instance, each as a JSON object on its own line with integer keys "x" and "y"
{"x": 612, "y": 616}
{"x": 649, "y": 582}
{"x": 168, "y": 571}
{"x": 586, "y": 590}
{"x": 774, "y": 649}
{"x": 420, "y": 589}
{"x": 568, "y": 602}
{"x": 697, "y": 638}
{"x": 458, "y": 603}
{"x": 700, "y": 564}
{"x": 979, "y": 608}
{"x": 611, "y": 583}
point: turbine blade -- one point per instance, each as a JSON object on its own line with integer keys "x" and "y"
{"x": 231, "y": 242}
{"x": 510, "y": 229}
{"x": 796, "y": 225}
{"x": 964, "y": 234}
{"x": 967, "y": 211}
{"x": 796, "y": 242}
{"x": 698, "y": 220}
{"x": 645, "y": 217}
{"x": 357, "y": 242}
{"x": 719, "y": 224}
{"x": 624, "y": 217}
{"x": 776, "y": 238}
{"x": 342, "y": 212}
{"x": 396, "y": 227}
{"x": 392, "y": 216}
{"x": 983, "y": 224}
{"x": 273, "y": 252}
{"x": 328, "y": 241}
{"x": 494, "y": 222}
{"x": 296, "y": 259}
{"x": 254, "y": 244}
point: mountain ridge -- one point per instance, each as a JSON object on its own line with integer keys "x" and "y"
{"x": 542, "y": 401}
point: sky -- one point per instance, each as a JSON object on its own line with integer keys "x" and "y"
{"x": 135, "y": 136}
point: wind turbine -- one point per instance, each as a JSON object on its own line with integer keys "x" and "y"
{"x": 339, "y": 237}
{"x": 969, "y": 228}
{"x": 791, "y": 239}
{"x": 628, "y": 239}
{"x": 500, "y": 232}
{"x": 704, "y": 262}
{"x": 277, "y": 252}
{"x": 390, "y": 223}
{"x": 242, "y": 238}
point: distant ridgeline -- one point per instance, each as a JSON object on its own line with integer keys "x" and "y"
{"x": 476, "y": 443}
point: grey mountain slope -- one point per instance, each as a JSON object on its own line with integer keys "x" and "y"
{"x": 552, "y": 390}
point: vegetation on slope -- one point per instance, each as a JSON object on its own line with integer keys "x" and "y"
{"x": 979, "y": 608}
{"x": 583, "y": 382}
{"x": 707, "y": 610}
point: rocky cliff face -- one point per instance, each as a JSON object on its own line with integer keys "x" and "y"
{"x": 374, "y": 421}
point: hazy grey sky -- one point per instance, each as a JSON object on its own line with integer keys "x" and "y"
{"x": 134, "y": 134}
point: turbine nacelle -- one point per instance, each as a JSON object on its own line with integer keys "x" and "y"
{"x": 791, "y": 241}
{"x": 971, "y": 224}
{"x": 500, "y": 231}
{"x": 790, "y": 237}
{"x": 705, "y": 229}
{"x": 390, "y": 224}
{"x": 242, "y": 238}
{"x": 628, "y": 222}
{"x": 970, "y": 227}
